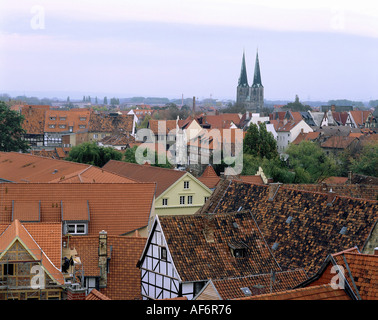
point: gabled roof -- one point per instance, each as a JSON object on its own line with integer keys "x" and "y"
{"x": 301, "y": 227}
{"x": 201, "y": 246}
{"x": 116, "y": 207}
{"x": 361, "y": 272}
{"x": 359, "y": 116}
{"x": 61, "y": 120}
{"x": 123, "y": 123}
{"x": 209, "y": 177}
{"x": 21, "y": 167}
{"x": 339, "y": 142}
{"x": 16, "y": 231}
{"x": 252, "y": 179}
{"x": 221, "y": 121}
{"x": 321, "y": 292}
{"x": 123, "y": 278}
{"x": 34, "y": 122}
{"x": 232, "y": 288}
{"x": 309, "y": 136}
{"x": 96, "y": 295}
{"x": 163, "y": 177}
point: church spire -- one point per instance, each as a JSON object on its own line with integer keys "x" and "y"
{"x": 257, "y": 76}
{"x": 243, "y": 81}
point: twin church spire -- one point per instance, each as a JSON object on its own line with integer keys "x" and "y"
{"x": 251, "y": 96}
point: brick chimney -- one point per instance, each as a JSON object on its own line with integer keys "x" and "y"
{"x": 330, "y": 197}
{"x": 102, "y": 258}
{"x": 75, "y": 294}
{"x": 273, "y": 188}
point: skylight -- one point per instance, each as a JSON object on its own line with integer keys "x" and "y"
{"x": 246, "y": 291}
{"x": 288, "y": 220}
{"x": 343, "y": 230}
{"x": 275, "y": 246}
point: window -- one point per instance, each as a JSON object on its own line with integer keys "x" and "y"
{"x": 186, "y": 184}
{"x": 77, "y": 228}
{"x": 62, "y": 118}
{"x": 53, "y": 118}
{"x": 62, "y": 126}
{"x": 163, "y": 253}
{"x": 9, "y": 269}
{"x": 239, "y": 253}
{"x": 182, "y": 199}
{"x": 95, "y": 136}
{"x": 190, "y": 199}
{"x": 83, "y": 118}
{"x": 206, "y": 198}
{"x": 52, "y": 126}
{"x": 165, "y": 202}
{"x": 82, "y": 126}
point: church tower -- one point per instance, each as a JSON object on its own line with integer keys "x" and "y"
{"x": 257, "y": 89}
{"x": 243, "y": 87}
{"x": 251, "y": 96}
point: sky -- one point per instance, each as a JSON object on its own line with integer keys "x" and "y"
{"x": 318, "y": 50}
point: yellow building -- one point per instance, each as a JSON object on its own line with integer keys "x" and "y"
{"x": 177, "y": 192}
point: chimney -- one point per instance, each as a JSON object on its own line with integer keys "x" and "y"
{"x": 330, "y": 198}
{"x": 333, "y": 108}
{"x": 376, "y": 251}
{"x": 102, "y": 258}
{"x": 75, "y": 293}
{"x": 247, "y": 115}
{"x": 273, "y": 188}
{"x": 350, "y": 176}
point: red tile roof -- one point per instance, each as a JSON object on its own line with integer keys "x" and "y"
{"x": 231, "y": 288}
{"x": 359, "y": 116}
{"x": 61, "y": 120}
{"x": 16, "y": 230}
{"x": 252, "y": 179}
{"x": 209, "y": 177}
{"x": 164, "y": 178}
{"x": 96, "y": 295}
{"x": 322, "y": 292}
{"x": 116, "y": 207}
{"x": 123, "y": 279}
{"x": 310, "y": 136}
{"x": 335, "y": 180}
{"x": 338, "y": 142}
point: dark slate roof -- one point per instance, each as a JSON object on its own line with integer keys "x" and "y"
{"x": 300, "y": 227}
{"x": 243, "y": 80}
{"x": 200, "y": 246}
{"x": 257, "y": 76}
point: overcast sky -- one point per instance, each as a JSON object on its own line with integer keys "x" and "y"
{"x": 320, "y": 50}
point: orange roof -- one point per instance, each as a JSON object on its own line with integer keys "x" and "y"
{"x": 359, "y": 116}
{"x": 364, "y": 270}
{"x": 16, "y": 231}
{"x": 123, "y": 279}
{"x": 252, "y": 179}
{"x": 61, "y": 120}
{"x": 34, "y": 119}
{"x": 322, "y": 292}
{"x": 309, "y": 136}
{"x": 93, "y": 174}
{"x": 116, "y": 207}
{"x": 221, "y": 121}
{"x": 336, "y": 180}
{"x": 164, "y": 178}
{"x": 106, "y": 123}
{"x": 209, "y": 177}
{"x": 338, "y": 142}
{"x": 21, "y": 167}
{"x": 96, "y": 295}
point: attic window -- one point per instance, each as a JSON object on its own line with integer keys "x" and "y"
{"x": 163, "y": 253}
{"x": 275, "y": 246}
{"x": 83, "y": 118}
{"x": 238, "y": 248}
{"x": 246, "y": 291}
{"x": 343, "y": 230}
{"x": 289, "y": 219}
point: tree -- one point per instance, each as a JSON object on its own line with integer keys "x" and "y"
{"x": 297, "y": 106}
{"x": 366, "y": 162}
{"x": 105, "y": 100}
{"x": 234, "y": 108}
{"x": 259, "y": 142}
{"x": 91, "y": 153}
{"x": 11, "y": 130}
{"x": 310, "y": 163}
{"x": 129, "y": 156}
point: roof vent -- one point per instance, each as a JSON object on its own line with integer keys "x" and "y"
{"x": 246, "y": 291}
{"x": 55, "y": 171}
{"x": 288, "y": 220}
{"x": 343, "y": 230}
{"x": 236, "y": 226}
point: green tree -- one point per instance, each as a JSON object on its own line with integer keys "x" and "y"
{"x": 129, "y": 156}
{"x": 11, "y": 131}
{"x": 260, "y": 142}
{"x": 366, "y": 163}
{"x": 310, "y": 163}
{"x": 91, "y": 153}
{"x": 105, "y": 100}
{"x": 297, "y": 106}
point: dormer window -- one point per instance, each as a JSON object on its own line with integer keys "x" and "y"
{"x": 83, "y": 118}
{"x": 62, "y": 118}
{"x": 53, "y": 118}
{"x": 82, "y": 126}
{"x": 238, "y": 249}
{"x": 52, "y": 126}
